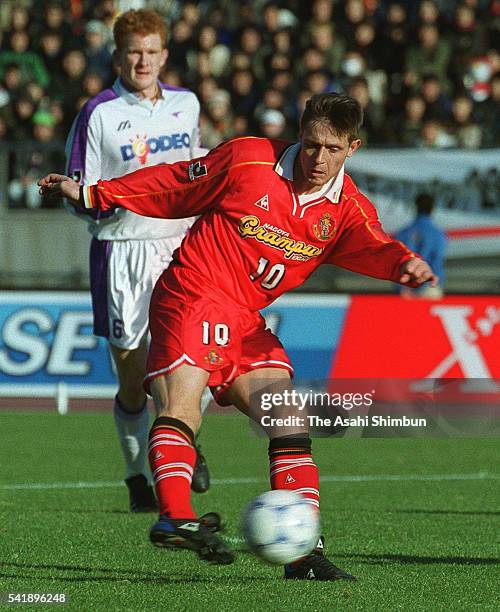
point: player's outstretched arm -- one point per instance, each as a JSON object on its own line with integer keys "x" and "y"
{"x": 418, "y": 271}
{"x": 170, "y": 191}
{"x": 59, "y": 184}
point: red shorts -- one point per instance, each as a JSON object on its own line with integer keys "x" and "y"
{"x": 201, "y": 326}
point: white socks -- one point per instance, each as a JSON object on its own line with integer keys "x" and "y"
{"x": 206, "y": 398}
{"x": 133, "y": 433}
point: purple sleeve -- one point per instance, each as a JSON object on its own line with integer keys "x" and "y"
{"x": 76, "y": 144}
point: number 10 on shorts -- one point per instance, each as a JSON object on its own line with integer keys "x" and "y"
{"x": 219, "y": 332}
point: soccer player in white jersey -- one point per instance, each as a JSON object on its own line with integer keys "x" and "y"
{"x": 137, "y": 122}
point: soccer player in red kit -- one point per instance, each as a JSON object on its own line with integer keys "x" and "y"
{"x": 271, "y": 213}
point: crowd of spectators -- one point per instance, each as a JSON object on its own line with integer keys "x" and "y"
{"x": 426, "y": 72}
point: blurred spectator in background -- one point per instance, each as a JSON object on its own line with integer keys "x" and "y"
{"x": 275, "y": 99}
{"x": 190, "y": 12}
{"x": 33, "y": 158}
{"x": 488, "y": 114}
{"x": 275, "y": 17}
{"x": 373, "y": 128}
{"x": 364, "y": 42}
{"x": 424, "y": 237}
{"x": 206, "y": 88}
{"x": 240, "y": 126}
{"x": 282, "y": 80}
{"x": 252, "y": 45}
{"x": 433, "y": 135}
{"x": 218, "y": 54}
{"x": 11, "y": 82}
{"x": 465, "y": 131}
{"x": 182, "y": 43}
{"x": 311, "y": 60}
{"x": 437, "y": 103}
{"x": 282, "y": 42}
{"x": 354, "y": 66}
{"x": 468, "y": 39}
{"x": 4, "y": 128}
{"x": 278, "y": 61}
{"x": 51, "y": 50}
{"x": 321, "y": 16}
{"x": 56, "y": 109}
{"x": 92, "y": 85}
{"x": 324, "y": 38}
{"x": 245, "y": 93}
{"x": 408, "y": 127}
{"x": 57, "y": 54}
{"x": 491, "y": 189}
{"x": 429, "y": 14}
{"x": 35, "y": 92}
{"x": 99, "y": 60}
{"x": 319, "y": 81}
{"x": 24, "y": 109}
{"x": 171, "y": 76}
{"x": 30, "y": 63}
{"x": 56, "y": 19}
{"x": 43, "y": 127}
{"x": 5, "y": 98}
{"x": 470, "y": 197}
{"x": 392, "y": 39}
{"x": 272, "y": 124}
{"x": 20, "y": 19}
{"x": 216, "y": 119}
{"x": 68, "y": 84}
{"x": 430, "y": 54}
{"x": 354, "y": 14}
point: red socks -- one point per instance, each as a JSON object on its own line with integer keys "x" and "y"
{"x": 292, "y": 467}
{"x": 172, "y": 457}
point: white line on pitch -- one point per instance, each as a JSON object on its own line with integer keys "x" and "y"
{"x": 253, "y": 480}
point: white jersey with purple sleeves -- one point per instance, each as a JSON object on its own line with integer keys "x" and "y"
{"x": 116, "y": 133}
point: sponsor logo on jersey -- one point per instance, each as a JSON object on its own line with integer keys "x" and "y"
{"x": 325, "y": 228}
{"x": 142, "y": 146}
{"x": 124, "y": 125}
{"x": 213, "y": 357}
{"x": 197, "y": 170}
{"x": 263, "y": 202}
{"x": 277, "y": 238}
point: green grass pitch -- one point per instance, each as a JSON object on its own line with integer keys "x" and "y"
{"x": 426, "y": 539}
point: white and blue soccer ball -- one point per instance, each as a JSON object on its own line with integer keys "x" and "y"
{"x": 280, "y": 526}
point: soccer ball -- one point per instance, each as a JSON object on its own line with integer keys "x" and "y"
{"x": 280, "y": 526}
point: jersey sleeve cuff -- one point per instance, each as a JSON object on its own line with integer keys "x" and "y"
{"x": 87, "y": 197}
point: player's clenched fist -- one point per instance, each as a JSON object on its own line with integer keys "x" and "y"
{"x": 417, "y": 270}
{"x": 59, "y": 184}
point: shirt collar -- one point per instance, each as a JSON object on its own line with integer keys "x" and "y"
{"x": 284, "y": 167}
{"x": 130, "y": 97}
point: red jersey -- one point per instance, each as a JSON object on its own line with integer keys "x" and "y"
{"x": 254, "y": 240}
